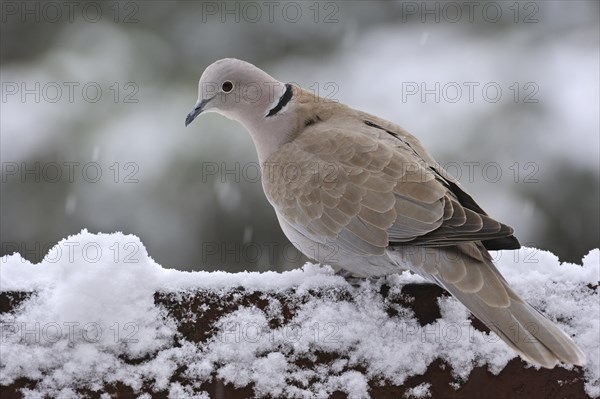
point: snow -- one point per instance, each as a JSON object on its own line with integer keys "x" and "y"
{"x": 420, "y": 391}
{"x": 94, "y": 310}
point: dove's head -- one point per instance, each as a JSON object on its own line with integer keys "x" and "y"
{"x": 244, "y": 93}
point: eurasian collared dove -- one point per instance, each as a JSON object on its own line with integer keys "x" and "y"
{"x": 363, "y": 195}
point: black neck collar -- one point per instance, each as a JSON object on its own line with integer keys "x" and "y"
{"x": 283, "y": 100}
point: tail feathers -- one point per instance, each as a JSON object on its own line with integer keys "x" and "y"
{"x": 535, "y": 338}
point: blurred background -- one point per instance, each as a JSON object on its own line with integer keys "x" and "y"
{"x": 94, "y": 96}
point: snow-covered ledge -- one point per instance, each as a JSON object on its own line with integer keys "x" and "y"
{"x": 99, "y": 318}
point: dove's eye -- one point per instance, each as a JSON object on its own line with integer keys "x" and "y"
{"x": 227, "y": 86}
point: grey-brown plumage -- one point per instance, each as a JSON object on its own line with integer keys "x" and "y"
{"x": 362, "y": 194}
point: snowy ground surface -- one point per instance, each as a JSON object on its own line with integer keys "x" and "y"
{"x": 95, "y": 307}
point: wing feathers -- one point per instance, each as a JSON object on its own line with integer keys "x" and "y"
{"x": 373, "y": 190}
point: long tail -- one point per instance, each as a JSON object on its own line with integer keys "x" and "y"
{"x": 467, "y": 272}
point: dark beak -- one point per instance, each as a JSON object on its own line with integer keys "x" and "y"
{"x": 195, "y": 112}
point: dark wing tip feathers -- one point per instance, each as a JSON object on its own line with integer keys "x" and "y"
{"x": 497, "y": 244}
